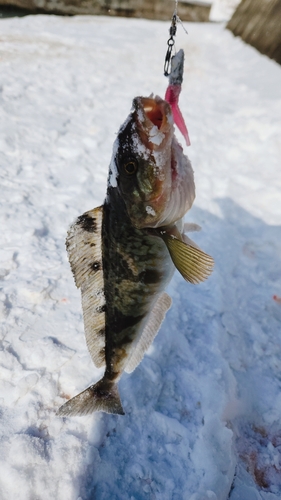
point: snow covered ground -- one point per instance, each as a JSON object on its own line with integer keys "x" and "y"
{"x": 222, "y": 10}
{"x": 203, "y": 408}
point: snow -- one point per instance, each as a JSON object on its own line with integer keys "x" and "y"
{"x": 150, "y": 210}
{"x": 155, "y": 136}
{"x": 222, "y": 10}
{"x": 203, "y": 408}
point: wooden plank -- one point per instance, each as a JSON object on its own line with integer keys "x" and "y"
{"x": 258, "y": 22}
{"x": 156, "y": 9}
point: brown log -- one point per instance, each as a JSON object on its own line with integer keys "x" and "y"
{"x": 258, "y": 22}
{"x": 149, "y": 9}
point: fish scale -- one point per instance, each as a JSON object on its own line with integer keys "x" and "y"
{"x": 130, "y": 294}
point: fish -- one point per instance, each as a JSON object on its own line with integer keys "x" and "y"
{"x": 124, "y": 253}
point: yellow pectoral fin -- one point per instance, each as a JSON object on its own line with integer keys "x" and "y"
{"x": 193, "y": 264}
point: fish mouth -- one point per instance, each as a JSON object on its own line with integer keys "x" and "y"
{"x": 154, "y": 112}
{"x": 154, "y": 121}
{"x": 155, "y": 127}
{"x": 158, "y": 112}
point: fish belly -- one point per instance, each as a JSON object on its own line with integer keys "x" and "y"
{"x": 137, "y": 267}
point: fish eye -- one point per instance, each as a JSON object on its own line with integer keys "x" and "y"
{"x": 131, "y": 167}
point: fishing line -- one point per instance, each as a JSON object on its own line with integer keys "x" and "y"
{"x": 171, "y": 41}
{"x": 174, "y": 68}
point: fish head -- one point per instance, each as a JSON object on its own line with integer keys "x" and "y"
{"x": 148, "y": 167}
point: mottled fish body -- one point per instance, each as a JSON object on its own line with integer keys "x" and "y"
{"x": 124, "y": 253}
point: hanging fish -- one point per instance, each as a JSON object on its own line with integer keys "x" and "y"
{"x": 123, "y": 253}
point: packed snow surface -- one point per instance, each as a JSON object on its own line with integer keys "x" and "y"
{"x": 222, "y": 10}
{"x": 203, "y": 408}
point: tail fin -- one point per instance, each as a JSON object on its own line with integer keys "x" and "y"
{"x": 102, "y": 396}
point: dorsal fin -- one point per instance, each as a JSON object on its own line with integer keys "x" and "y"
{"x": 150, "y": 331}
{"x": 84, "y": 247}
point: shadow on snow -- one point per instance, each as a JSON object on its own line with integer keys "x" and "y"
{"x": 215, "y": 357}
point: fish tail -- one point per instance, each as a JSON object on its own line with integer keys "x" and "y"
{"x": 103, "y": 396}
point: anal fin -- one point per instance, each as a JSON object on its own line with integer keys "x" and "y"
{"x": 150, "y": 331}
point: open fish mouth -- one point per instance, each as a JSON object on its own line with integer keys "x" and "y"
{"x": 154, "y": 121}
{"x": 159, "y": 114}
{"x": 155, "y": 112}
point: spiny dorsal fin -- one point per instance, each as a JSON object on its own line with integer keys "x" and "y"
{"x": 193, "y": 264}
{"x": 84, "y": 247}
{"x": 150, "y": 331}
